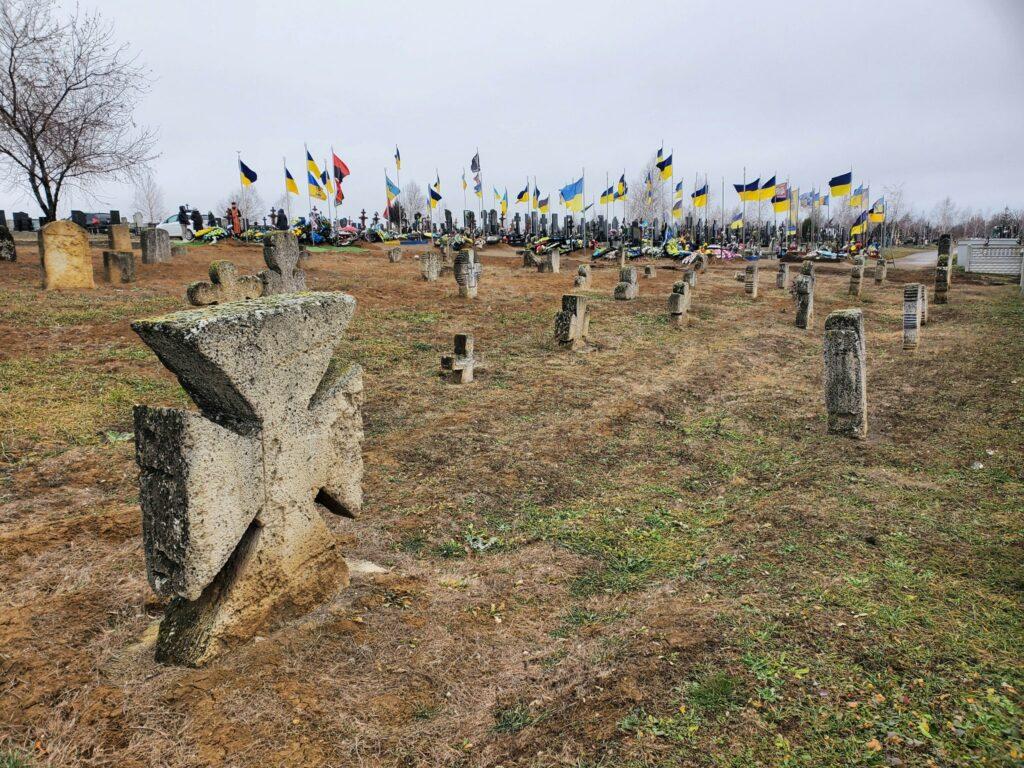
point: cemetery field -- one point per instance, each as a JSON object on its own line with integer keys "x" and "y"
{"x": 645, "y": 554}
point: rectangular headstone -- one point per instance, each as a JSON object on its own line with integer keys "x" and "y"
{"x": 911, "y": 315}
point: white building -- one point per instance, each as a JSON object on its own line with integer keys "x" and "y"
{"x": 994, "y": 256}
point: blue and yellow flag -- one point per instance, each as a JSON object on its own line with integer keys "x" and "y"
{"x": 478, "y": 189}
{"x": 289, "y": 183}
{"x": 437, "y": 182}
{"x": 677, "y": 209}
{"x": 544, "y": 205}
{"x": 876, "y": 214}
{"x": 497, "y": 195}
{"x": 860, "y": 224}
{"x": 398, "y": 159}
{"x": 311, "y": 165}
{"x": 737, "y": 221}
{"x": 326, "y": 181}
{"x": 767, "y": 191}
{"x": 841, "y": 185}
{"x": 661, "y": 153}
{"x": 679, "y": 191}
{"x": 435, "y": 196}
{"x": 665, "y": 167}
{"x": 248, "y": 174}
{"x": 748, "y": 192}
{"x": 607, "y": 196}
{"x": 780, "y": 200}
{"x": 700, "y": 197}
{"x": 391, "y": 189}
{"x": 621, "y": 189}
{"x": 524, "y": 196}
{"x": 536, "y": 197}
{"x": 857, "y": 198}
{"x": 504, "y": 203}
{"x": 315, "y": 190}
{"x": 464, "y": 184}
{"x": 572, "y": 195}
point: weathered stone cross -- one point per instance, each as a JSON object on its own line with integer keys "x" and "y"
{"x": 232, "y": 496}
{"x": 458, "y": 368}
{"x": 225, "y": 285}
{"x": 572, "y": 324}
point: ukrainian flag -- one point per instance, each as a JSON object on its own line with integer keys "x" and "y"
{"x": 497, "y": 195}
{"x": 841, "y": 185}
{"x": 524, "y": 196}
{"x": 435, "y": 197}
{"x": 572, "y": 194}
{"x": 620, "y": 190}
{"x": 749, "y": 192}
{"x": 392, "y": 190}
{"x": 311, "y": 165}
{"x": 326, "y": 181}
{"x": 677, "y": 209}
{"x": 248, "y": 174}
{"x": 289, "y": 183}
{"x": 536, "y": 197}
{"x": 876, "y": 214}
{"x": 315, "y": 190}
{"x": 767, "y": 190}
{"x": 544, "y": 205}
{"x": 478, "y": 190}
{"x": 737, "y": 221}
{"x": 665, "y": 167}
{"x": 860, "y": 225}
{"x": 398, "y": 159}
{"x": 464, "y": 184}
{"x": 607, "y": 196}
{"x": 504, "y": 203}
{"x": 857, "y": 198}
{"x": 700, "y": 197}
{"x": 679, "y": 191}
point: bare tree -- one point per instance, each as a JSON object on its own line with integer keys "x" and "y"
{"x": 149, "y": 197}
{"x": 647, "y": 206}
{"x": 67, "y": 93}
{"x": 944, "y": 214}
{"x": 412, "y": 200}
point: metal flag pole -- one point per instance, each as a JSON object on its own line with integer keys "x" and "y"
{"x": 398, "y": 182}
{"x": 465, "y": 205}
{"x": 309, "y": 195}
{"x": 608, "y": 222}
{"x": 241, "y": 188}
{"x": 583, "y": 211}
{"x": 287, "y": 194}
{"x": 744, "y": 196}
{"x": 721, "y": 234}
{"x": 480, "y": 173}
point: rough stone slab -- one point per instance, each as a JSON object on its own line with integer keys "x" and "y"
{"x": 550, "y": 262}
{"x": 430, "y": 266}
{"x": 649, "y": 271}
{"x": 679, "y": 303}
{"x": 66, "y": 256}
{"x": 7, "y": 250}
{"x": 119, "y": 266}
{"x": 881, "y": 270}
{"x": 782, "y": 276}
{"x": 394, "y": 255}
{"x": 582, "y": 281}
{"x": 120, "y": 238}
{"x": 628, "y": 287}
{"x": 846, "y": 373}
{"x": 803, "y": 287}
{"x": 155, "y": 245}
{"x": 225, "y": 285}
{"x": 856, "y": 276}
{"x": 467, "y": 273}
{"x": 572, "y": 324}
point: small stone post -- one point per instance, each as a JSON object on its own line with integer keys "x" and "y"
{"x": 782, "y": 276}
{"x": 803, "y": 287}
{"x": 550, "y": 262}
{"x": 881, "y": 270}
{"x": 690, "y": 276}
{"x": 627, "y": 288}
{"x": 120, "y": 238}
{"x": 430, "y": 266}
{"x": 750, "y": 280}
{"x": 649, "y": 271}
{"x": 156, "y": 245}
{"x": 582, "y": 281}
{"x": 679, "y": 304}
{"x": 572, "y": 324}
{"x": 846, "y": 373}
{"x": 911, "y": 315}
{"x": 856, "y": 276}
{"x": 458, "y": 367}
{"x": 467, "y": 273}
{"x": 119, "y": 265}
{"x": 923, "y": 290}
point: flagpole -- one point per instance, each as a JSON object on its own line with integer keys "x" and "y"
{"x": 287, "y": 194}
{"x": 583, "y": 213}
{"x": 241, "y": 188}
{"x": 309, "y": 196}
{"x": 744, "y": 227}
{"x": 722, "y": 234}
{"x": 480, "y": 173}
{"x": 398, "y": 182}
{"x": 465, "y": 205}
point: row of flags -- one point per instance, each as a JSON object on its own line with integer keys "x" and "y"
{"x": 320, "y": 184}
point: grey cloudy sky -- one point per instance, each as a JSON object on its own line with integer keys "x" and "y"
{"x": 926, "y": 92}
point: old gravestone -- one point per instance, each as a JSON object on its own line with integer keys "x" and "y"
{"x": 572, "y": 324}
{"x": 119, "y": 266}
{"x": 458, "y": 367}
{"x": 881, "y": 269}
{"x": 750, "y": 280}
{"x": 943, "y": 270}
{"x": 550, "y": 262}
{"x": 782, "y": 276}
{"x": 846, "y": 373}
{"x": 281, "y": 254}
{"x": 556, "y": 231}
{"x": 394, "y": 254}
{"x": 233, "y": 496}
{"x": 856, "y": 275}
{"x": 679, "y": 303}
{"x": 120, "y": 238}
{"x": 430, "y": 266}
{"x": 582, "y": 280}
{"x": 628, "y": 287}
{"x": 923, "y": 290}
{"x": 156, "y": 245}
{"x": 649, "y": 271}
{"x": 467, "y": 273}
{"x": 690, "y": 276}
{"x": 803, "y": 291}
{"x": 911, "y": 315}
{"x": 65, "y": 256}
{"x": 225, "y": 286}
{"x": 7, "y": 250}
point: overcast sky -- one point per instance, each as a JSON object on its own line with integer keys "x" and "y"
{"x": 926, "y": 92}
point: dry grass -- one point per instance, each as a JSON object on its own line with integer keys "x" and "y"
{"x": 649, "y": 554}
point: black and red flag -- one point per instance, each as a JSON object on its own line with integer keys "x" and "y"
{"x": 340, "y": 172}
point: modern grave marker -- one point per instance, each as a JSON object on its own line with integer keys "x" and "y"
{"x": 911, "y": 315}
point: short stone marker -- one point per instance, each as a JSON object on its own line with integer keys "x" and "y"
{"x": 582, "y": 281}
{"x": 458, "y": 368}
{"x": 66, "y": 256}
{"x": 649, "y": 271}
{"x": 803, "y": 287}
{"x": 281, "y": 254}
{"x": 923, "y": 289}
{"x": 156, "y": 245}
{"x": 782, "y": 276}
{"x": 232, "y": 496}
{"x": 911, "y": 315}
{"x": 120, "y": 238}
{"x": 572, "y": 324}
{"x": 118, "y": 266}
{"x": 394, "y": 254}
{"x": 943, "y": 270}
{"x": 430, "y": 266}
{"x": 750, "y": 280}
{"x": 7, "y": 250}
{"x": 846, "y": 373}
{"x": 690, "y": 276}
{"x": 467, "y": 273}
{"x": 856, "y": 276}
{"x": 881, "y": 270}
{"x": 550, "y": 262}
{"x": 627, "y": 288}
{"x": 679, "y": 304}
{"x": 225, "y": 285}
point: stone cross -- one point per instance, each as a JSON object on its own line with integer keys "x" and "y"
{"x": 782, "y": 276}
{"x": 649, "y": 271}
{"x": 65, "y": 255}
{"x": 458, "y": 367}
{"x": 846, "y": 373}
{"x": 582, "y": 280}
{"x": 627, "y": 288}
{"x": 233, "y": 496}
{"x": 881, "y": 269}
{"x": 856, "y": 276}
{"x": 572, "y": 324}
{"x": 430, "y": 266}
{"x": 155, "y": 244}
{"x": 120, "y": 238}
{"x": 550, "y": 262}
{"x": 281, "y": 254}
{"x": 943, "y": 270}
{"x": 803, "y": 287}
{"x": 679, "y": 304}
{"x": 750, "y": 280}
{"x": 530, "y": 258}
{"x": 225, "y": 285}
{"x": 911, "y": 315}
{"x": 7, "y": 249}
{"x": 467, "y": 273}
{"x": 119, "y": 263}
{"x": 394, "y": 254}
